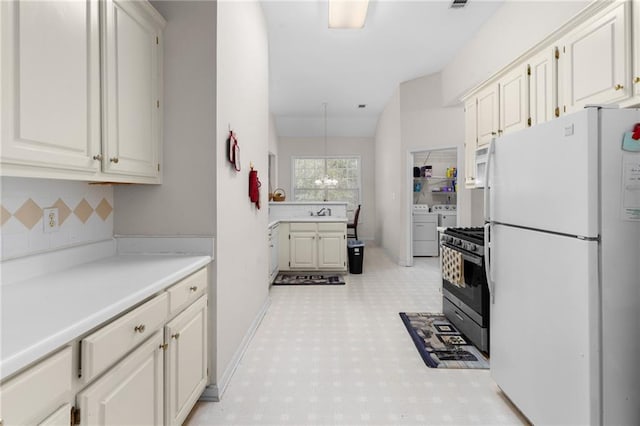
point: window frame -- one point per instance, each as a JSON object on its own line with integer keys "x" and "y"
{"x": 325, "y": 158}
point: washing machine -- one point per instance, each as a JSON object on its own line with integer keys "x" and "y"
{"x": 425, "y": 233}
{"x": 447, "y": 214}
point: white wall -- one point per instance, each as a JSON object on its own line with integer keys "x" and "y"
{"x": 362, "y": 147}
{"x": 242, "y": 249}
{"x": 388, "y": 178}
{"x": 426, "y": 125}
{"x": 185, "y": 203}
{"x": 514, "y": 28}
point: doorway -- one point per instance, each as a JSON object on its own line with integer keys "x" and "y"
{"x": 433, "y": 196}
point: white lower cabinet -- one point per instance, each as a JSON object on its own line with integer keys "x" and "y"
{"x": 313, "y": 246}
{"x": 185, "y": 361}
{"x": 62, "y": 417}
{"x": 331, "y": 250}
{"x": 303, "y": 250}
{"x": 37, "y": 395}
{"x": 146, "y": 367}
{"x": 130, "y": 393}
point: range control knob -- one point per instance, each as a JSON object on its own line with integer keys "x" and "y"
{"x": 473, "y": 247}
{"x": 459, "y": 243}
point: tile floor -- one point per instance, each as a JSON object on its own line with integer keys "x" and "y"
{"x": 340, "y": 355}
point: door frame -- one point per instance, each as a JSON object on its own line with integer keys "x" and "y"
{"x": 410, "y": 156}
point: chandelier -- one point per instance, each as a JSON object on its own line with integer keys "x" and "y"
{"x": 326, "y": 181}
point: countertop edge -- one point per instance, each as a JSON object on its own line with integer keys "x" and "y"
{"x": 29, "y": 355}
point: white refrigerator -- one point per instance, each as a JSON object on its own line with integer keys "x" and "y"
{"x": 562, "y": 214}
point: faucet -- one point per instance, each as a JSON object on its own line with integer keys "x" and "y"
{"x": 323, "y": 212}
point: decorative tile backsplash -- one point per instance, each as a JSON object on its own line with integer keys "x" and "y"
{"x": 85, "y": 214}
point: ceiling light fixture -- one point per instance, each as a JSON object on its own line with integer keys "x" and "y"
{"x": 326, "y": 181}
{"x": 347, "y": 14}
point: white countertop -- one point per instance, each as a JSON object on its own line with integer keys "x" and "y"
{"x": 308, "y": 203}
{"x": 319, "y": 219}
{"x": 41, "y": 314}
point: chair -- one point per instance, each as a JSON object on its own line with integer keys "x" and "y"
{"x": 354, "y": 225}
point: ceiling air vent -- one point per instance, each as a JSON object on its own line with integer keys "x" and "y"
{"x": 457, "y": 4}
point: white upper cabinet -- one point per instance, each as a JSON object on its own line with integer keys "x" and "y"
{"x": 596, "y": 58}
{"x": 470, "y": 141}
{"x": 543, "y": 86}
{"x": 50, "y": 85}
{"x": 488, "y": 114}
{"x": 81, "y": 90}
{"x": 131, "y": 89}
{"x": 635, "y": 24}
{"x": 514, "y": 100}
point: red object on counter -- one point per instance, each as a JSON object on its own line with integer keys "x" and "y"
{"x": 254, "y": 187}
{"x": 636, "y": 132}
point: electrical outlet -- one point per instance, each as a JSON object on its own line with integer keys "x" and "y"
{"x": 50, "y": 219}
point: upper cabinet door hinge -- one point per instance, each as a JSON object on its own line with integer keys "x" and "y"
{"x": 75, "y": 416}
{"x": 158, "y": 104}
{"x": 158, "y": 166}
{"x": 529, "y": 121}
{"x": 557, "y": 53}
{"x": 528, "y": 69}
{"x": 557, "y": 112}
{"x": 157, "y": 40}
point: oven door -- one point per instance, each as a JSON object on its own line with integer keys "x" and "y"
{"x": 475, "y": 293}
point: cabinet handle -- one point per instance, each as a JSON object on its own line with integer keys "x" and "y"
{"x": 493, "y": 133}
{"x": 618, "y": 87}
{"x": 636, "y": 80}
{"x": 175, "y": 336}
{"x": 164, "y": 346}
{"x": 97, "y": 157}
{"x": 114, "y": 160}
{"x": 194, "y": 288}
{"x": 139, "y": 328}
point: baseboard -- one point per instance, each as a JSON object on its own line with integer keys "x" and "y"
{"x": 214, "y": 392}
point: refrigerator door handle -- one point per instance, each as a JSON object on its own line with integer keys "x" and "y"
{"x": 487, "y": 259}
{"x": 487, "y": 210}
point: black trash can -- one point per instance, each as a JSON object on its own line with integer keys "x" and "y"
{"x": 355, "y": 249}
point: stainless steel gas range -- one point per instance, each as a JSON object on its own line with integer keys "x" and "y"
{"x": 465, "y": 292}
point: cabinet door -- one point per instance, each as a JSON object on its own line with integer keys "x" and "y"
{"x": 185, "y": 361}
{"x": 514, "y": 100}
{"x": 284, "y": 244}
{"x": 488, "y": 114}
{"x": 470, "y": 142}
{"x": 33, "y": 395}
{"x": 50, "y": 86}
{"x": 543, "y": 86}
{"x": 331, "y": 250}
{"x": 596, "y": 60}
{"x": 274, "y": 250}
{"x": 132, "y": 68}
{"x": 303, "y": 250}
{"x": 131, "y": 393}
{"x": 62, "y": 417}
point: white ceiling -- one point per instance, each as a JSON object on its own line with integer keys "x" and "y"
{"x": 310, "y": 64}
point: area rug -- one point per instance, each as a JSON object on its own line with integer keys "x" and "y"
{"x": 309, "y": 279}
{"x": 440, "y": 344}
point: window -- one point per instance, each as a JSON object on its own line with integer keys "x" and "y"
{"x": 346, "y": 170}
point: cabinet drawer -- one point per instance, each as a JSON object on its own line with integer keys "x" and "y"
{"x": 303, "y": 226}
{"x": 187, "y": 291}
{"x": 33, "y": 395}
{"x": 332, "y": 227}
{"x": 107, "y": 345}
